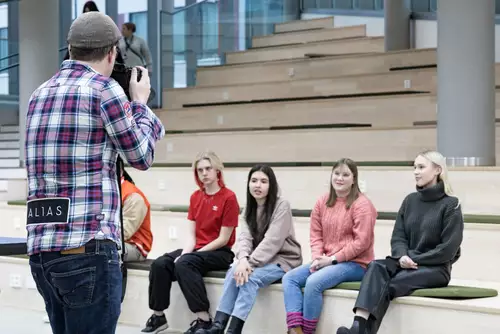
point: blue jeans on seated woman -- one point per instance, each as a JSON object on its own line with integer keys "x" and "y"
{"x": 239, "y": 300}
{"x": 303, "y": 310}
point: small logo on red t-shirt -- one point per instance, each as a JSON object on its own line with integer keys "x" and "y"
{"x": 215, "y": 208}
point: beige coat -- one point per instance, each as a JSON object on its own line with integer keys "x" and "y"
{"x": 279, "y": 245}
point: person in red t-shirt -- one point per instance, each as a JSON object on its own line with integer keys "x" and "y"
{"x": 212, "y": 217}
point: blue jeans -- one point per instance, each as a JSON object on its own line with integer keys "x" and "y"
{"x": 310, "y": 303}
{"x": 239, "y": 300}
{"x": 82, "y": 292}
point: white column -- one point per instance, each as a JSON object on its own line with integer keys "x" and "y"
{"x": 466, "y": 82}
{"x": 38, "y": 51}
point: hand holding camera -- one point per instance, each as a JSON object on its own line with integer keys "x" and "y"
{"x": 140, "y": 86}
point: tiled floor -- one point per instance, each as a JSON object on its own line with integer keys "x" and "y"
{"x": 16, "y": 321}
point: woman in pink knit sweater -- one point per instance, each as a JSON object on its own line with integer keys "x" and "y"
{"x": 342, "y": 239}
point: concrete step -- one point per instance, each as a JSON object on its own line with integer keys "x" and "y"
{"x": 7, "y": 163}
{"x": 9, "y": 153}
{"x": 9, "y": 128}
{"x": 169, "y": 230}
{"x": 10, "y": 144}
{"x": 448, "y": 316}
{"x": 9, "y": 136}
{"x": 477, "y": 188}
{"x": 12, "y": 173}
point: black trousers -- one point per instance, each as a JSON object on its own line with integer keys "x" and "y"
{"x": 188, "y": 271}
{"x": 385, "y": 280}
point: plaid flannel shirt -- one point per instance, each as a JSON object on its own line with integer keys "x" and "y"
{"x": 77, "y": 124}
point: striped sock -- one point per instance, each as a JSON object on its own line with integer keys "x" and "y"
{"x": 294, "y": 319}
{"x": 309, "y": 326}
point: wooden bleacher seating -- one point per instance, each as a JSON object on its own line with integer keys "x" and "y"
{"x": 309, "y": 36}
{"x": 317, "y": 67}
{"x": 397, "y": 82}
{"x": 398, "y": 110}
{"x": 341, "y": 46}
{"x": 377, "y": 111}
{"x": 304, "y": 25}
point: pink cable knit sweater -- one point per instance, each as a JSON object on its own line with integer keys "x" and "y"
{"x": 346, "y": 233}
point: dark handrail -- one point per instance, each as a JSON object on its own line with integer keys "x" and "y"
{"x": 9, "y": 56}
{"x": 65, "y": 47}
{"x": 6, "y": 68}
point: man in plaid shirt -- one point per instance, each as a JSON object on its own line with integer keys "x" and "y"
{"x": 77, "y": 124}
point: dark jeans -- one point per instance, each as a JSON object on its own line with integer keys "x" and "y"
{"x": 82, "y": 292}
{"x": 385, "y": 280}
{"x": 188, "y": 271}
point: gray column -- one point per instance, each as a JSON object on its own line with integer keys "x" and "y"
{"x": 466, "y": 82}
{"x": 397, "y": 25}
{"x": 166, "y": 65}
{"x": 112, "y": 10}
{"x": 13, "y": 35}
{"x": 291, "y": 10}
{"x": 154, "y": 43}
{"x": 193, "y": 40}
{"x": 38, "y": 55}
{"x": 228, "y": 27}
{"x": 65, "y": 20}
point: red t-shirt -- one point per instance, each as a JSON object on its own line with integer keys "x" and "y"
{"x": 211, "y": 212}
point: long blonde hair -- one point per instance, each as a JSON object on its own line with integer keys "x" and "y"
{"x": 439, "y": 160}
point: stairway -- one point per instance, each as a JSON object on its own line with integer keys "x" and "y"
{"x": 9, "y": 159}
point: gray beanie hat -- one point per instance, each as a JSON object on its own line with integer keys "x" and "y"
{"x": 93, "y": 30}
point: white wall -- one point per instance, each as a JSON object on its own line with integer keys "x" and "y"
{"x": 4, "y": 15}
{"x": 425, "y": 30}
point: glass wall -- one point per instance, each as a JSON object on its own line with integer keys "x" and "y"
{"x": 201, "y": 33}
{"x": 344, "y": 4}
{"x": 417, "y": 6}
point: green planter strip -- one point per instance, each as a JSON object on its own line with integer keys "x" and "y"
{"x": 477, "y": 219}
{"x": 449, "y": 292}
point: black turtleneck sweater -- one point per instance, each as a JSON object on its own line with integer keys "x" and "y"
{"x": 429, "y": 227}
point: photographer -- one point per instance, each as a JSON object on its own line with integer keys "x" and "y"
{"x": 77, "y": 123}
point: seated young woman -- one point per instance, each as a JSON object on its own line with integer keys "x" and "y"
{"x": 425, "y": 244}
{"x": 266, "y": 249}
{"x": 341, "y": 237}
{"x": 212, "y": 218}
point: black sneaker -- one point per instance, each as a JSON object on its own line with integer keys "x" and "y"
{"x": 156, "y": 324}
{"x": 197, "y": 325}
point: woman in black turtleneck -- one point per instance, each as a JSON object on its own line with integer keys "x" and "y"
{"x": 425, "y": 243}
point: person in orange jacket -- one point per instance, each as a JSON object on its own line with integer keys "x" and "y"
{"x": 136, "y": 220}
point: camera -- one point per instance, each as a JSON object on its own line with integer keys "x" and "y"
{"x": 122, "y": 74}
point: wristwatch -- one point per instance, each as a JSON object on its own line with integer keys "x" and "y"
{"x": 334, "y": 260}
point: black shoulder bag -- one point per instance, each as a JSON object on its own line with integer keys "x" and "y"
{"x": 123, "y": 266}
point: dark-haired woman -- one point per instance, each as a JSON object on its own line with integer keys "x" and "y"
{"x": 266, "y": 249}
{"x": 342, "y": 239}
{"x": 90, "y": 6}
